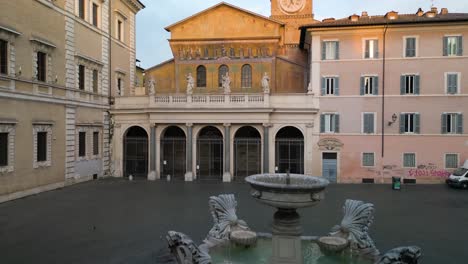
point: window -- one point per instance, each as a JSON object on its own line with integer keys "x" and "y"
{"x": 410, "y": 47}
{"x": 330, "y": 86}
{"x": 368, "y": 123}
{"x": 120, "y": 30}
{"x": 201, "y": 76}
{"x": 81, "y": 144}
{"x": 3, "y": 149}
{"x": 409, "y": 160}
{"x": 451, "y": 161}
{"x": 369, "y": 85}
{"x": 95, "y": 14}
{"x": 95, "y": 81}
{"x": 329, "y": 123}
{"x": 41, "y": 66}
{"x": 41, "y": 146}
{"x": 409, "y": 84}
{"x": 452, "y": 83}
{"x": 368, "y": 160}
{"x": 119, "y": 86}
{"x": 3, "y": 57}
{"x": 452, "y": 123}
{"x": 81, "y": 9}
{"x": 223, "y": 69}
{"x": 371, "y": 49}
{"x": 409, "y": 123}
{"x": 246, "y": 76}
{"x": 95, "y": 143}
{"x": 330, "y": 50}
{"x": 81, "y": 77}
{"x": 453, "y": 46}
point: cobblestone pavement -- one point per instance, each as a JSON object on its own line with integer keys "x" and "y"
{"x": 117, "y": 221}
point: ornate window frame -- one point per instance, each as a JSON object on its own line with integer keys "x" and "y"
{"x": 89, "y": 129}
{"x": 42, "y": 127}
{"x": 90, "y": 65}
{"x": 120, "y": 74}
{"x": 9, "y": 35}
{"x": 9, "y": 128}
{"x": 92, "y": 131}
{"x": 46, "y": 47}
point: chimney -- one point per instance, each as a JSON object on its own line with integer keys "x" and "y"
{"x": 444, "y": 11}
{"x": 434, "y": 9}
{"x": 364, "y": 14}
{"x": 391, "y": 15}
{"x": 420, "y": 12}
{"x": 354, "y": 17}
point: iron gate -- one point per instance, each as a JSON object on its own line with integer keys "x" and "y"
{"x": 136, "y": 156}
{"x": 247, "y": 157}
{"x": 210, "y": 158}
{"x": 173, "y": 157}
{"x": 290, "y": 155}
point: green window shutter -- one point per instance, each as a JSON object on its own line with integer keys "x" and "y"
{"x": 402, "y": 123}
{"x": 371, "y": 123}
{"x": 445, "y": 46}
{"x": 403, "y": 84}
{"x": 337, "y": 123}
{"x": 366, "y": 51}
{"x": 324, "y": 85}
{"x": 365, "y": 125}
{"x": 337, "y": 86}
{"x": 416, "y": 84}
{"x": 444, "y": 124}
{"x": 452, "y": 83}
{"x": 375, "y": 82}
{"x": 362, "y": 86}
{"x": 337, "y": 50}
{"x": 460, "y": 124}
{"x": 322, "y": 123}
{"x": 417, "y": 123}
{"x": 410, "y": 47}
{"x": 460, "y": 46}
{"x": 324, "y": 50}
{"x": 376, "y": 50}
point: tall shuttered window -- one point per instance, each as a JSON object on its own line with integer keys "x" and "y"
{"x": 81, "y": 9}
{"x": 451, "y": 161}
{"x": 3, "y": 57}
{"x": 452, "y": 83}
{"x": 82, "y": 144}
{"x": 41, "y": 146}
{"x": 330, "y": 86}
{"x": 409, "y": 123}
{"x": 368, "y": 160}
{"x": 369, "y": 85}
{"x": 95, "y": 143}
{"x": 246, "y": 76}
{"x": 410, "y": 47}
{"x": 3, "y": 149}
{"x": 371, "y": 50}
{"x": 329, "y": 123}
{"x": 409, "y": 84}
{"x": 452, "y": 123}
{"x": 368, "y": 123}
{"x": 41, "y": 66}
{"x": 201, "y": 76}
{"x": 409, "y": 160}
{"x": 330, "y": 50}
{"x": 453, "y": 46}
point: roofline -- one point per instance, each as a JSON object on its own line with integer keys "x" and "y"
{"x": 160, "y": 64}
{"x": 388, "y": 23}
{"x": 168, "y": 28}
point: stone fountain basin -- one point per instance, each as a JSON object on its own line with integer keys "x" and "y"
{"x": 273, "y": 190}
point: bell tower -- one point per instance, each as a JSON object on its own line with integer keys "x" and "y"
{"x": 294, "y": 13}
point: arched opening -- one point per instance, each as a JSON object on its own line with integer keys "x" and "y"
{"x": 210, "y": 154}
{"x": 246, "y": 76}
{"x": 201, "y": 76}
{"x": 136, "y": 152}
{"x": 223, "y": 69}
{"x": 290, "y": 150}
{"x": 247, "y": 152}
{"x": 173, "y": 156}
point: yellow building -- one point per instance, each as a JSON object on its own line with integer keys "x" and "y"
{"x": 60, "y": 68}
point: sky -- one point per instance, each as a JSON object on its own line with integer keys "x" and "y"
{"x": 153, "y": 48}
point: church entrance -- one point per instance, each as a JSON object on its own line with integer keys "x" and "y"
{"x": 247, "y": 153}
{"x": 173, "y": 153}
{"x": 136, "y": 152}
{"x": 210, "y": 154}
{"x": 290, "y": 150}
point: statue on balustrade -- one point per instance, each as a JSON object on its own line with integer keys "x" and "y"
{"x": 190, "y": 83}
{"x": 151, "y": 87}
{"x": 226, "y": 83}
{"x": 266, "y": 83}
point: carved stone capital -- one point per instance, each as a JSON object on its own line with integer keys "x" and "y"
{"x": 189, "y": 124}
{"x": 267, "y": 125}
{"x": 227, "y": 124}
{"x": 310, "y": 125}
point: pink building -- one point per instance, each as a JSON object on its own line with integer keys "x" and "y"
{"x": 392, "y": 95}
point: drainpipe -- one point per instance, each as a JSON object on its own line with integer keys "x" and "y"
{"x": 383, "y": 90}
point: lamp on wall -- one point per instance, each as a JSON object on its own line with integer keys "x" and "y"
{"x": 394, "y": 119}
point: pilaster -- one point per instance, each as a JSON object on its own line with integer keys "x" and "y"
{"x": 70, "y": 127}
{"x": 152, "y": 156}
{"x": 189, "y": 153}
{"x": 227, "y": 153}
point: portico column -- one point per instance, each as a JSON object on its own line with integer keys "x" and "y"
{"x": 152, "y": 156}
{"x": 266, "y": 148}
{"x": 188, "y": 153}
{"x": 227, "y": 153}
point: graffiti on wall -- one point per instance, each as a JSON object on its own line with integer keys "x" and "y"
{"x": 428, "y": 173}
{"x": 422, "y": 170}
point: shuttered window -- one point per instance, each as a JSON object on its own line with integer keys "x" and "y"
{"x": 368, "y": 160}
{"x": 201, "y": 76}
{"x": 3, "y": 57}
{"x": 369, "y": 85}
{"x": 452, "y": 83}
{"x": 368, "y": 124}
{"x": 452, "y": 123}
{"x": 330, "y": 123}
{"x": 409, "y": 123}
{"x": 409, "y": 160}
{"x": 371, "y": 49}
{"x": 3, "y": 149}
{"x": 330, "y": 86}
{"x": 410, "y": 47}
{"x": 451, "y": 161}
{"x": 41, "y": 146}
{"x": 82, "y": 144}
{"x": 453, "y": 46}
{"x": 330, "y": 50}
{"x": 409, "y": 84}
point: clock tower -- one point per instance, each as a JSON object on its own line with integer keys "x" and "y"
{"x": 294, "y": 13}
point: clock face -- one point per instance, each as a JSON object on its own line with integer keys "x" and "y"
{"x": 291, "y": 6}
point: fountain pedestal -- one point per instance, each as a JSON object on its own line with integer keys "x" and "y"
{"x": 287, "y": 231}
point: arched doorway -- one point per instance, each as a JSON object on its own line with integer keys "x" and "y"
{"x": 210, "y": 154}
{"x": 247, "y": 152}
{"x": 136, "y": 152}
{"x": 290, "y": 150}
{"x": 173, "y": 153}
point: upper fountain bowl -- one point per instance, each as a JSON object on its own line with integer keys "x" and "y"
{"x": 287, "y": 191}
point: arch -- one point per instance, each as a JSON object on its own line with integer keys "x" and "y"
{"x": 222, "y": 70}
{"x": 135, "y": 158}
{"x": 289, "y": 150}
{"x": 246, "y": 76}
{"x": 173, "y": 153}
{"x": 201, "y": 76}
{"x": 247, "y": 152}
{"x": 210, "y": 153}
